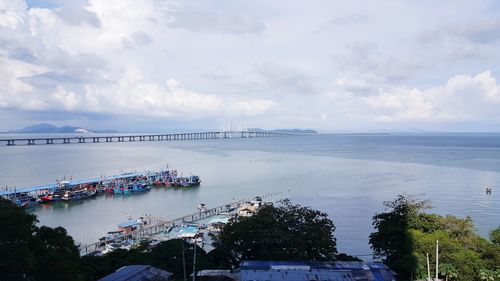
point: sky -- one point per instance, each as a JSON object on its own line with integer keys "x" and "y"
{"x": 330, "y": 65}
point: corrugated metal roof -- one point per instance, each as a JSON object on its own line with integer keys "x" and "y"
{"x": 129, "y": 224}
{"x": 137, "y": 273}
{"x": 307, "y": 271}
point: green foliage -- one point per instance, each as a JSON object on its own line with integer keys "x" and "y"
{"x": 15, "y": 252}
{"x": 56, "y": 250}
{"x": 94, "y": 267}
{"x": 448, "y": 271}
{"x": 287, "y": 232}
{"x": 166, "y": 255}
{"x": 28, "y": 252}
{"x": 391, "y": 239}
{"x": 495, "y": 236}
{"x": 405, "y": 234}
{"x": 346, "y": 257}
{"x": 489, "y": 275}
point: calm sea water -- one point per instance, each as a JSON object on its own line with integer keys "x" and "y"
{"x": 346, "y": 176}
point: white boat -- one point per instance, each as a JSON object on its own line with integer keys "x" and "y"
{"x": 202, "y": 207}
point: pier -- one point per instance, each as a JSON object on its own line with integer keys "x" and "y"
{"x": 156, "y": 225}
{"x": 81, "y": 139}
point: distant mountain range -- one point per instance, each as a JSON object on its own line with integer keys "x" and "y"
{"x": 285, "y": 131}
{"x": 45, "y": 128}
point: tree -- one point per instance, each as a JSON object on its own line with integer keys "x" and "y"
{"x": 448, "y": 271}
{"x": 489, "y": 275}
{"x": 286, "y": 232}
{"x": 56, "y": 250}
{"x": 391, "y": 240}
{"x": 28, "y": 252}
{"x": 404, "y": 234}
{"x": 495, "y": 236}
{"x": 15, "y": 237}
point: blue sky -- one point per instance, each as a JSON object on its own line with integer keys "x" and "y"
{"x": 327, "y": 65}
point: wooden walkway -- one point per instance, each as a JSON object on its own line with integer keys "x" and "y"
{"x": 156, "y": 225}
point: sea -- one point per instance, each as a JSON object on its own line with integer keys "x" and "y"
{"x": 347, "y": 176}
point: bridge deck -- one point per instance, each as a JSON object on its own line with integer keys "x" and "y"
{"x": 143, "y": 137}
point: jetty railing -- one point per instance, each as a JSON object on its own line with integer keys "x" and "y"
{"x": 80, "y": 139}
{"x": 156, "y": 225}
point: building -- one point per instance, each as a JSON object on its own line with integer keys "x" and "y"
{"x": 217, "y": 275}
{"x": 129, "y": 226}
{"x": 138, "y": 273}
{"x": 317, "y": 271}
{"x": 247, "y": 210}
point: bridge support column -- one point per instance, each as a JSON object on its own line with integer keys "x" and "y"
{"x": 11, "y": 142}
{"x": 31, "y": 142}
{"x": 65, "y": 141}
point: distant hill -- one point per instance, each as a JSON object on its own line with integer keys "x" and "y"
{"x": 286, "y": 131}
{"x": 45, "y": 128}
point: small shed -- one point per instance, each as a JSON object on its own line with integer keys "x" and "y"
{"x": 129, "y": 226}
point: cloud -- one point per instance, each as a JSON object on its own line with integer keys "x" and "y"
{"x": 131, "y": 95}
{"x": 462, "y": 98}
{"x": 228, "y": 18}
{"x": 481, "y": 32}
{"x": 283, "y": 79}
{"x": 350, "y": 19}
{"x": 337, "y": 64}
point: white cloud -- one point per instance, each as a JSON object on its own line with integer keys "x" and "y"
{"x": 253, "y": 59}
{"x": 462, "y": 98}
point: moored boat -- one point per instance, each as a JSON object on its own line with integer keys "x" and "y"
{"x": 23, "y": 200}
{"x": 79, "y": 194}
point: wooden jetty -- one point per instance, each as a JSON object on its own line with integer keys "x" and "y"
{"x": 156, "y": 225}
{"x": 80, "y": 139}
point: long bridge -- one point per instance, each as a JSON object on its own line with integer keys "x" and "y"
{"x": 141, "y": 137}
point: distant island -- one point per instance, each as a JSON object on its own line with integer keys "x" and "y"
{"x": 45, "y": 128}
{"x": 285, "y": 131}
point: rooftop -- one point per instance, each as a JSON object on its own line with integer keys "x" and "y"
{"x": 307, "y": 271}
{"x": 137, "y": 273}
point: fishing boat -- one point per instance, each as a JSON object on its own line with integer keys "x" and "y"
{"x": 186, "y": 181}
{"x": 79, "y": 194}
{"x": 140, "y": 187}
{"x": 118, "y": 189}
{"x": 125, "y": 190}
{"x": 23, "y": 200}
{"x": 54, "y": 196}
{"x": 194, "y": 181}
